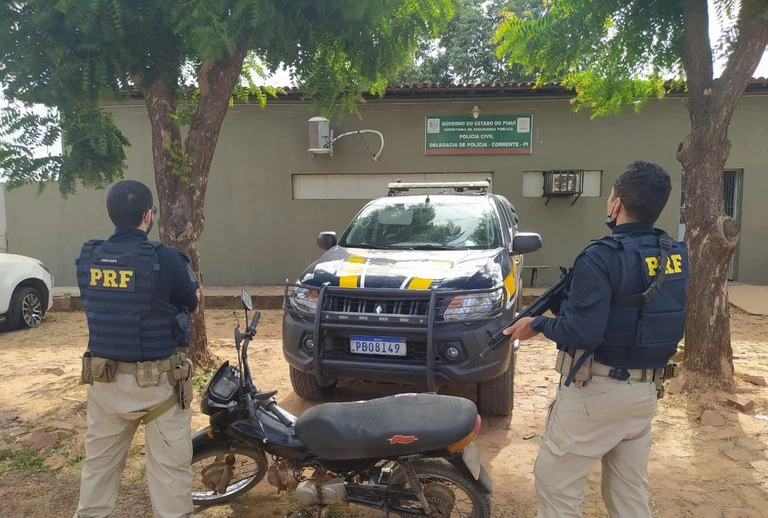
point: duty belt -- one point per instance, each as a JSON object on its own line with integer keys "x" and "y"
{"x": 164, "y": 365}
{"x": 606, "y": 371}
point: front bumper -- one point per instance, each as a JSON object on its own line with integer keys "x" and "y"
{"x": 427, "y": 340}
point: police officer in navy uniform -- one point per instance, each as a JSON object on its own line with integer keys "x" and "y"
{"x": 615, "y": 333}
{"x": 137, "y": 295}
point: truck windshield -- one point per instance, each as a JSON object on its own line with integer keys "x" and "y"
{"x": 426, "y": 226}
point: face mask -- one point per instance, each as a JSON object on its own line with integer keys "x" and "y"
{"x": 609, "y": 221}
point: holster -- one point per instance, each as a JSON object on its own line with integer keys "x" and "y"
{"x": 181, "y": 379}
{"x": 103, "y": 370}
{"x": 670, "y": 371}
{"x": 86, "y": 372}
{"x": 565, "y": 363}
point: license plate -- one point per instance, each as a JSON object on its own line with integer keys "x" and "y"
{"x": 383, "y": 345}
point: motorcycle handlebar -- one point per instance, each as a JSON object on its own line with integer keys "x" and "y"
{"x": 255, "y": 321}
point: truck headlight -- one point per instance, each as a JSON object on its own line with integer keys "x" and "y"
{"x": 303, "y": 299}
{"x": 469, "y": 306}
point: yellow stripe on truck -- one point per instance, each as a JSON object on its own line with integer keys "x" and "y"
{"x": 417, "y": 283}
{"x": 350, "y": 271}
{"x": 509, "y": 282}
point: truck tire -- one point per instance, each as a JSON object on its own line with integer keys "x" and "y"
{"x": 497, "y": 396}
{"x": 305, "y": 385}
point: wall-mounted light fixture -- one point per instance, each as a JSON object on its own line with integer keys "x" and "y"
{"x": 475, "y": 112}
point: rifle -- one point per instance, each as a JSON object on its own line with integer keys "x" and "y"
{"x": 549, "y": 300}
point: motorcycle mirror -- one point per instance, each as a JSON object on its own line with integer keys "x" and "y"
{"x": 246, "y": 299}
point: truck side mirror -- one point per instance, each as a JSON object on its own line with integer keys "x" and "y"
{"x": 526, "y": 242}
{"x": 326, "y": 240}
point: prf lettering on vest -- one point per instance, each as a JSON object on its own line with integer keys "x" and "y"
{"x": 108, "y": 278}
{"x": 674, "y": 265}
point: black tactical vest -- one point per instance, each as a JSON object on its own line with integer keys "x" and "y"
{"x": 125, "y": 321}
{"x": 643, "y": 332}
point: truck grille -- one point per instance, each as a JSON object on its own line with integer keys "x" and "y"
{"x": 372, "y": 306}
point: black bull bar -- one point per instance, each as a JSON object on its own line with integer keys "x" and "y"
{"x": 437, "y": 300}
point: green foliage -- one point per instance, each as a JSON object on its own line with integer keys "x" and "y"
{"x": 21, "y": 460}
{"x": 465, "y": 53}
{"x": 253, "y": 69}
{"x": 614, "y": 53}
{"x": 181, "y": 164}
{"x": 72, "y": 55}
{"x": 201, "y": 378}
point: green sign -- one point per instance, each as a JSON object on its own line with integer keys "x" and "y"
{"x": 490, "y": 135}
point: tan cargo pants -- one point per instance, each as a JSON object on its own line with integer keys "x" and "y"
{"x": 114, "y": 413}
{"x": 609, "y": 420}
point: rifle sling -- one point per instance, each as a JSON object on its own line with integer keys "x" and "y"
{"x": 637, "y": 299}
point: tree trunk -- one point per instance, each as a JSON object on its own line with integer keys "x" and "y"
{"x": 710, "y": 234}
{"x": 711, "y": 237}
{"x": 181, "y": 169}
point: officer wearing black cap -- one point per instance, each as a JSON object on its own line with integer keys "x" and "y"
{"x": 615, "y": 333}
{"x": 137, "y": 295}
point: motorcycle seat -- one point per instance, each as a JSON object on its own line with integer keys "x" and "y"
{"x": 386, "y": 427}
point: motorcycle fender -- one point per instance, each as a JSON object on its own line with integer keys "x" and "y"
{"x": 202, "y": 441}
{"x": 470, "y": 463}
{"x": 471, "y": 458}
{"x": 484, "y": 482}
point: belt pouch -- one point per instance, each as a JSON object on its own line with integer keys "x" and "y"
{"x": 584, "y": 374}
{"x": 560, "y": 364}
{"x": 86, "y": 372}
{"x": 104, "y": 370}
{"x": 148, "y": 374}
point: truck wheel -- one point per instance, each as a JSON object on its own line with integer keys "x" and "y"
{"x": 306, "y": 386}
{"x": 497, "y": 396}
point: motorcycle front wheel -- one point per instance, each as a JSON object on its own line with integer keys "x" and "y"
{"x": 220, "y": 473}
{"x": 449, "y": 493}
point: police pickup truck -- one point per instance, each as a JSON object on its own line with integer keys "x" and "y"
{"x": 409, "y": 292}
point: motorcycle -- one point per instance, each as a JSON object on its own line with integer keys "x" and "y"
{"x": 404, "y": 455}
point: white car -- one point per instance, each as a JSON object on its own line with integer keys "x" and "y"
{"x": 26, "y": 291}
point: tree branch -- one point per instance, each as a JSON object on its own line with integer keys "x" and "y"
{"x": 697, "y": 52}
{"x": 751, "y": 42}
{"x": 217, "y": 83}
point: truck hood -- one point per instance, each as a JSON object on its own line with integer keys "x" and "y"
{"x": 412, "y": 269}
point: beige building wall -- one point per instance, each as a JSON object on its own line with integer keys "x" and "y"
{"x": 256, "y": 233}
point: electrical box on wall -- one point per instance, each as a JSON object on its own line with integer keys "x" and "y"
{"x": 563, "y": 183}
{"x": 321, "y": 138}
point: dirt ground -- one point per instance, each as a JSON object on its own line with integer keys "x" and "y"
{"x": 712, "y": 470}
